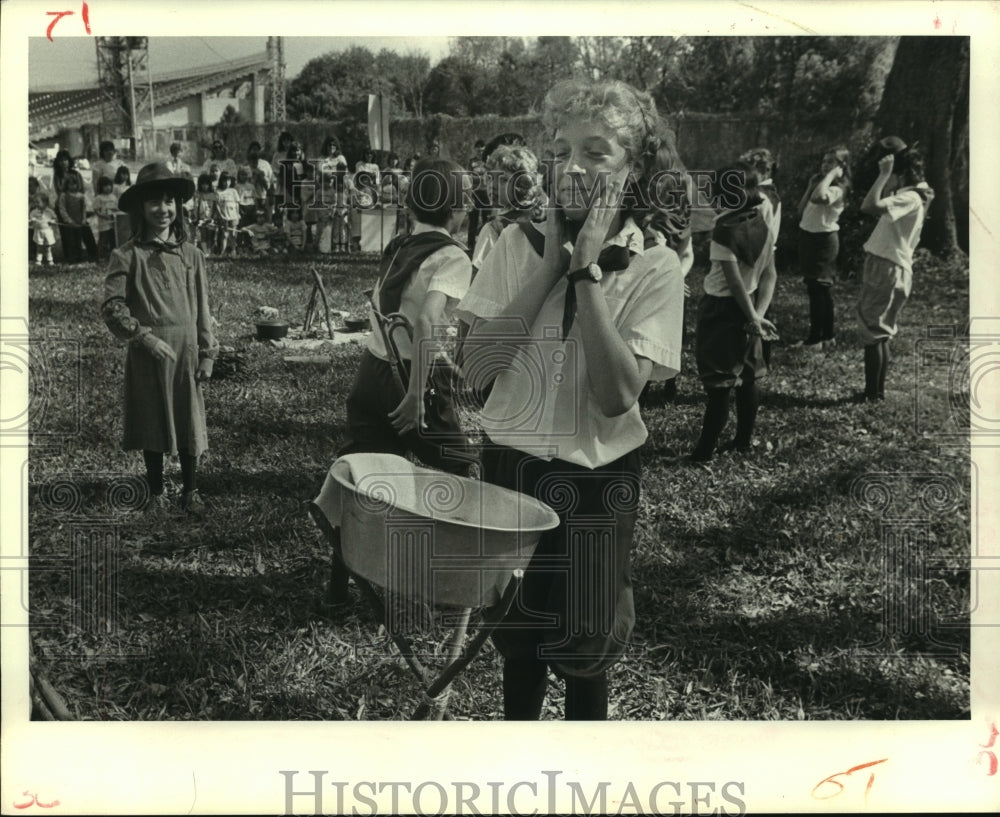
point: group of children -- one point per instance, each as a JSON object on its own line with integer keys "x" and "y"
{"x": 68, "y": 204}
{"x": 590, "y": 300}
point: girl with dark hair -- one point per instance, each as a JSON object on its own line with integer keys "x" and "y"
{"x": 731, "y": 326}
{"x": 422, "y": 276}
{"x": 156, "y": 299}
{"x": 63, "y": 168}
{"x": 74, "y": 228}
{"x": 887, "y": 278}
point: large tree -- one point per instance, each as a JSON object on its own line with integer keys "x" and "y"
{"x": 334, "y": 86}
{"x": 926, "y": 100}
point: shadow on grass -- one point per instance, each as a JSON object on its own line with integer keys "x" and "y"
{"x": 876, "y": 680}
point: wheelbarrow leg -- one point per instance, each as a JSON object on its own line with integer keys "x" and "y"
{"x": 454, "y": 653}
{"x": 402, "y": 642}
{"x": 491, "y": 619}
{"x": 339, "y": 574}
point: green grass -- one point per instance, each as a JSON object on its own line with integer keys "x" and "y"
{"x": 759, "y": 580}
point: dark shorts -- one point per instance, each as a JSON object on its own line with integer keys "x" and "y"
{"x": 818, "y": 256}
{"x": 369, "y": 430}
{"x": 722, "y": 347}
{"x": 575, "y": 610}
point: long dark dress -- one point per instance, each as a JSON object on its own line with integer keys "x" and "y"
{"x": 160, "y": 289}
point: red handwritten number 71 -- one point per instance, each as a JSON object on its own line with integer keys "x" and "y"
{"x": 832, "y": 779}
{"x": 58, "y": 15}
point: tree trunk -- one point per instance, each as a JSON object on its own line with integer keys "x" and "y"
{"x": 926, "y": 102}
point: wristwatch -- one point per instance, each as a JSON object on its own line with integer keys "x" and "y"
{"x": 591, "y": 272}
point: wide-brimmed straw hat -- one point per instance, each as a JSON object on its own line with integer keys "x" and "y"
{"x": 152, "y": 178}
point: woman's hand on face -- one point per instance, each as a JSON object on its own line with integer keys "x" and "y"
{"x": 599, "y": 220}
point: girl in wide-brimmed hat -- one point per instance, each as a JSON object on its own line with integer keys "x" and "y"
{"x": 156, "y": 298}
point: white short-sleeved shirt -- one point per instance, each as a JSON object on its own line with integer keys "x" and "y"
{"x": 772, "y": 213}
{"x": 542, "y": 403}
{"x": 448, "y": 270}
{"x": 715, "y": 281}
{"x": 822, "y": 218}
{"x": 897, "y": 233}
{"x": 484, "y": 243}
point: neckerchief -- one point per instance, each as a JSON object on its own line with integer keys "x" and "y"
{"x": 742, "y": 232}
{"x": 501, "y": 221}
{"x": 613, "y": 258}
{"x": 403, "y": 257}
{"x": 170, "y": 245}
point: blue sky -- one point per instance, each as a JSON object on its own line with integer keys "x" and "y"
{"x": 72, "y": 60}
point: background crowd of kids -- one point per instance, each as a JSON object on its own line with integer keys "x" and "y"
{"x": 596, "y": 239}
{"x": 289, "y": 204}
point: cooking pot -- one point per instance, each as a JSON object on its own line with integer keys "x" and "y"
{"x": 271, "y": 330}
{"x": 356, "y": 324}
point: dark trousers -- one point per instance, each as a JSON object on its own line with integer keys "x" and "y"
{"x": 375, "y": 394}
{"x": 575, "y": 611}
{"x": 105, "y": 244}
{"x": 75, "y": 239}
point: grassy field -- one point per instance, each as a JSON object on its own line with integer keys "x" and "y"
{"x": 764, "y": 589}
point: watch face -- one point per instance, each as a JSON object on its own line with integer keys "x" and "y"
{"x": 595, "y": 272}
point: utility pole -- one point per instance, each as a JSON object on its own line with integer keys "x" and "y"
{"x": 126, "y": 95}
{"x": 275, "y": 108}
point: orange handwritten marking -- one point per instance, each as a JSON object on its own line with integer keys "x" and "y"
{"x": 34, "y": 801}
{"x": 58, "y": 15}
{"x": 840, "y": 786}
{"x": 937, "y": 21}
{"x": 993, "y": 762}
{"x": 25, "y": 805}
{"x": 993, "y": 736}
{"x": 86, "y": 17}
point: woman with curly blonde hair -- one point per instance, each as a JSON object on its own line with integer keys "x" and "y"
{"x": 569, "y": 324}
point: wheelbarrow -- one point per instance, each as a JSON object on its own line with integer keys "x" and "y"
{"x": 432, "y": 538}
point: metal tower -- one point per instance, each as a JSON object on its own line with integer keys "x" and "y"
{"x": 275, "y": 108}
{"x": 126, "y": 86}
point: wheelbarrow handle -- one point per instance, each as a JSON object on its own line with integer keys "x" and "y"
{"x": 387, "y": 325}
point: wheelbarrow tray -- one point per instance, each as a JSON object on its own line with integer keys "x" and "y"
{"x": 429, "y": 536}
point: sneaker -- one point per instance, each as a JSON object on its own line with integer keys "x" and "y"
{"x": 194, "y": 504}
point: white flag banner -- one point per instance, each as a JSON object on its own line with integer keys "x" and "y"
{"x": 378, "y": 122}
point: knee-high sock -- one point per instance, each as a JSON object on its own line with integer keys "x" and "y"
{"x": 716, "y": 415}
{"x": 189, "y": 471}
{"x": 883, "y": 368}
{"x": 873, "y": 364}
{"x": 587, "y": 698}
{"x": 825, "y": 312}
{"x": 815, "y": 312}
{"x": 747, "y": 401}
{"x": 154, "y": 471}
{"x": 524, "y": 683}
